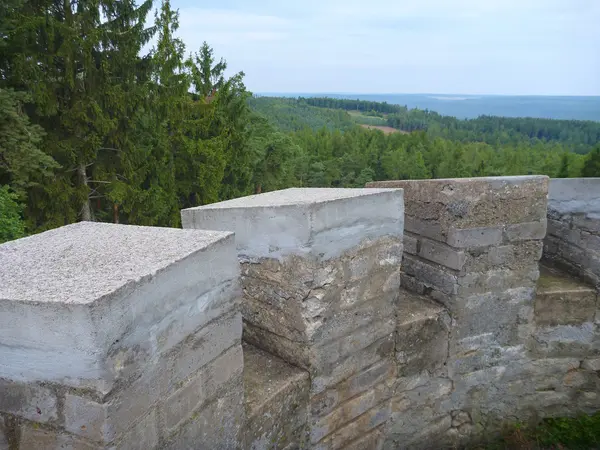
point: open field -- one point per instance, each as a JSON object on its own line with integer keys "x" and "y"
{"x": 386, "y": 130}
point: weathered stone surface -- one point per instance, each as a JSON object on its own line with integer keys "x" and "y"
{"x": 526, "y": 231}
{"x": 319, "y": 221}
{"x": 326, "y": 401}
{"x": 142, "y": 436}
{"x": 563, "y": 300}
{"x": 568, "y": 195}
{"x": 430, "y": 274}
{"x": 353, "y": 364}
{"x": 276, "y": 401}
{"x": 56, "y": 325}
{"x": 29, "y": 401}
{"x": 566, "y": 340}
{"x": 468, "y": 203}
{"x": 357, "y": 428}
{"x": 573, "y": 241}
{"x": 202, "y": 387}
{"x": 411, "y": 242}
{"x": 591, "y": 364}
{"x": 510, "y": 310}
{"x": 107, "y": 421}
{"x": 421, "y": 335}
{"x": 516, "y": 256}
{"x": 217, "y": 425}
{"x": 443, "y": 254}
{"x": 350, "y": 410}
{"x": 419, "y": 412}
{"x": 35, "y": 437}
{"x": 474, "y": 237}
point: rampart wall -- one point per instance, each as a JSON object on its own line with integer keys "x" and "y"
{"x": 409, "y": 314}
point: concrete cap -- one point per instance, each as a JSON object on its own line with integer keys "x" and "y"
{"x": 80, "y": 263}
{"x": 496, "y": 182}
{"x": 320, "y": 221}
{"x": 292, "y": 196}
{"x": 575, "y": 195}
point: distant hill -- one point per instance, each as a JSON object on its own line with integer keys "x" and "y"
{"x": 294, "y": 114}
{"x": 471, "y": 106}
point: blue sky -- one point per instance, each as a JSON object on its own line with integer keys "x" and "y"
{"x": 538, "y": 47}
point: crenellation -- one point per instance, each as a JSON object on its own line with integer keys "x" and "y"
{"x": 362, "y": 328}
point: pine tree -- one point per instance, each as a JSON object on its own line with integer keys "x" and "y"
{"x": 591, "y": 166}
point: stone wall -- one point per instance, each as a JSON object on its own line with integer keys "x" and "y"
{"x": 518, "y": 348}
{"x": 321, "y": 275}
{"x": 412, "y": 314}
{"x": 573, "y": 241}
{"x": 120, "y": 337}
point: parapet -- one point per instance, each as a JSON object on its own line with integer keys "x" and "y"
{"x": 363, "y": 328}
{"x": 322, "y": 222}
{"x": 573, "y": 241}
{"x": 105, "y": 327}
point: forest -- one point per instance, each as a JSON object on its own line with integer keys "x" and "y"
{"x": 93, "y": 128}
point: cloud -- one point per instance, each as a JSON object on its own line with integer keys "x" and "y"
{"x": 444, "y": 46}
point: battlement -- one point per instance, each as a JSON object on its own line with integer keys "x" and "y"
{"x": 408, "y": 314}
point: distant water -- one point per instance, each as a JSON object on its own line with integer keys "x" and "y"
{"x": 471, "y": 106}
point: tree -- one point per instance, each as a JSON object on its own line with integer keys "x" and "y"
{"x": 11, "y": 223}
{"x": 22, "y": 163}
{"x": 563, "y": 172}
{"x": 591, "y": 166}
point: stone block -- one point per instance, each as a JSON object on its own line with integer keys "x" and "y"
{"x": 499, "y": 313}
{"x": 497, "y": 280}
{"x": 430, "y": 274}
{"x": 321, "y": 222}
{"x": 35, "y": 437}
{"x": 108, "y": 421}
{"x": 475, "y": 237}
{"x": 216, "y": 426}
{"x": 592, "y": 364}
{"x": 357, "y": 428}
{"x": 57, "y": 326}
{"x": 443, "y": 254}
{"x": 411, "y": 242}
{"x": 427, "y": 228}
{"x": 467, "y": 203}
{"x": 349, "y": 410}
{"x": 516, "y": 256}
{"x": 563, "y": 341}
{"x": 574, "y": 195}
{"x": 422, "y": 334}
{"x": 202, "y": 387}
{"x": 373, "y": 440}
{"x": 563, "y": 300}
{"x": 353, "y": 364}
{"x": 276, "y": 401}
{"x": 328, "y": 400}
{"x": 142, "y": 436}
{"x": 29, "y": 401}
{"x": 526, "y": 231}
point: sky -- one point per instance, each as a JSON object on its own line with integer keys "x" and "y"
{"x": 508, "y": 47}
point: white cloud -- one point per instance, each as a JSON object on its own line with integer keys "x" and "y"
{"x": 452, "y": 46}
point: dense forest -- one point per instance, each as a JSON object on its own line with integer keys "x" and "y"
{"x": 91, "y": 128}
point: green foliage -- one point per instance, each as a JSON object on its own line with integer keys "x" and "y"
{"x": 92, "y": 130}
{"x": 591, "y": 165}
{"x": 577, "y": 433}
{"x": 11, "y": 223}
{"x": 289, "y": 114}
{"x": 576, "y": 135}
{"x": 22, "y": 163}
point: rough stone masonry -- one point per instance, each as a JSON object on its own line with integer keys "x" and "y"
{"x": 120, "y": 337}
{"x": 321, "y": 275}
{"x": 123, "y": 337}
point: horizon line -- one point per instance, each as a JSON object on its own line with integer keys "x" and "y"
{"x": 424, "y": 93}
